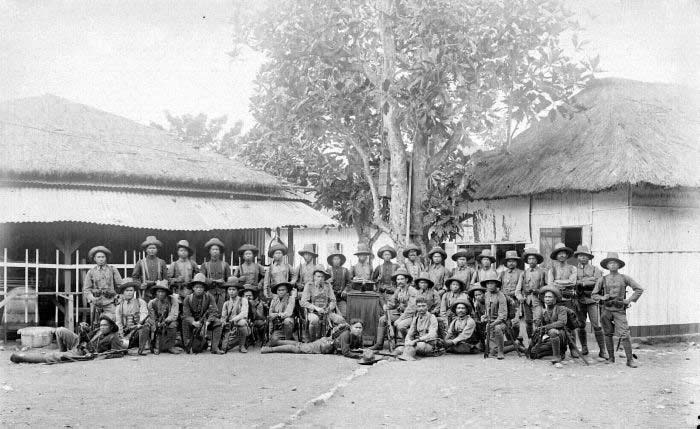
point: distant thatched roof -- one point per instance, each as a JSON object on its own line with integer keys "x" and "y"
{"x": 53, "y": 139}
{"x": 629, "y": 133}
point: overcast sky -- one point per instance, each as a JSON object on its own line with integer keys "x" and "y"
{"x": 139, "y": 58}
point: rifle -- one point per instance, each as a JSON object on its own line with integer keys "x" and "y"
{"x": 199, "y": 335}
{"x": 130, "y": 331}
{"x": 572, "y": 345}
{"x": 391, "y": 335}
{"x": 158, "y": 332}
{"x": 487, "y": 338}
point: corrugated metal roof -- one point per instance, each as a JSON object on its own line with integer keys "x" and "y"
{"x": 152, "y": 211}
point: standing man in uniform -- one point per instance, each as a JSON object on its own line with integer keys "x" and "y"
{"x": 340, "y": 279}
{"x": 100, "y": 283}
{"x": 362, "y": 270}
{"x": 150, "y": 269}
{"x": 562, "y": 275}
{"x": 183, "y": 269}
{"x": 496, "y": 309}
{"x": 279, "y": 271}
{"x": 487, "y": 270}
{"x": 412, "y": 261}
{"x": 586, "y": 278}
{"x": 533, "y": 281}
{"x": 436, "y": 269}
{"x": 512, "y": 285}
{"x": 215, "y": 270}
{"x": 611, "y": 290}
{"x": 250, "y": 272}
{"x": 384, "y": 272}
{"x": 304, "y": 273}
{"x": 462, "y": 271}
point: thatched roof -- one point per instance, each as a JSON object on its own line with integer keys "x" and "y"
{"x": 53, "y": 139}
{"x": 629, "y": 133}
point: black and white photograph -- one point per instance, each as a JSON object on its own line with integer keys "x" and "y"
{"x": 349, "y": 214}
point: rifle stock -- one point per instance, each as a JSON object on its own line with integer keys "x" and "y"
{"x": 391, "y": 334}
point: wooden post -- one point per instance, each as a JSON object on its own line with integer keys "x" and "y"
{"x": 290, "y": 245}
{"x": 26, "y": 285}
{"x": 77, "y": 286}
{"x": 67, "y": 246}
{"x": 126, "y": 262}
{"x": 55, "y": 316}
{"x": 4, "y": 290}
{"x": 36, "y": 285}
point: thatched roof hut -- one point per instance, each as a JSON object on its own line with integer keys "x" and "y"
{"x": 628, "y": 133}
{"x": 51, "y": 138}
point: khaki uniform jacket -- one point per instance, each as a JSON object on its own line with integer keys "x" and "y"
{"x": 586, "y": 278}
{"x": 423, "y": 328}
{"x": 461, "y": 329}
{"x": 195, "y": 307}
{"x": 157, "y": 308}
{"x": 130, "y": 313}
{"x": 615, "y": 285}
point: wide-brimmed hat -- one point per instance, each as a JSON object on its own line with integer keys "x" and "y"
{"x": 308, "y": 248}
{"x": 401, "y": 272}
{"x": 486, "y": 253}
{"x": 232, "y": 282}
{"x": 560, "y": 247}
{"x": 437, "y": 249}
{"x": 127, "y": 282}
{"x": 368, "y": 358}
{"x": 511, "y": 254}
{"x": 363, "y": 249}
{"x": 161, "y": 284}
{"x": 98, "y": 249}
{"x": 199, "y": 278}
{"x": 215, "y": 242}
{"x": 554, "y": 290}
{"x": 462, "y": 254}
{"x": 151, "y": 239}
{"x": 248, "y": 287}
{"x": 425, "y": 277}
{"x": 336, "y": 252}
{"x": 246, "y": 247}
{"x": 491, "y": 277}
{"x": 582, "y": 249}
{"x": 185, "y": 245}
{"x": 475, "y": 287}
{"x": 410, "y": 247}
{"x": 462, "y": 285}
{"x": 453, "y": 307}
{"x": 531, "y": 251}
{"x": 386, "y": 248}
{"x": 112, "y": 324}
{"x": 275, "y": 286}
{"x": 612, "y": 256}
{"x": 319, "y": 268}
{"x": 275, "y": 247}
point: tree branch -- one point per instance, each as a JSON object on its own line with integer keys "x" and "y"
{"x": 445, "y": 151}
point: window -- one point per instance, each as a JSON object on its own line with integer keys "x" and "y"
{"x": 549, "y": 237}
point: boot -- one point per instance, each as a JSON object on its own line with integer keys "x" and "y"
{"x": 242, "y": 336}
{"x": 529, "y": 330}
{"x": 610, "y": 346}
{"x": 288, "y": 330}
{"x": 627, "y": 345}
{"x": 215, "y": 340}
{"x": 556, "y": 350}
{"x": 499, "y": 347}
{"x": 601, "y": 343}
{"x": 379, "y": 344}
{"x": 582, "y": 337}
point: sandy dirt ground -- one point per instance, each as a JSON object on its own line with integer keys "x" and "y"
{"x": 256, "y": 390}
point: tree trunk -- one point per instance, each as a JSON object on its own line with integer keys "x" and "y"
{"x": 392, "y": 126}
{"x": 419, "y": 186}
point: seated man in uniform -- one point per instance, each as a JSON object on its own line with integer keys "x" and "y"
{"x": 234, "y": 316}
{"x": 422, "y": 334}
{"x": 344, "y": 340}
{"x": 131, "y": 315}
{"x": 400, "y": 308}
{"x": 550, "y": 326}
{"x": 164, "y": 311}
{"x": 281, "y": 316}
{"x": 200, "y": 309}
{"x": 257, "y": 309}
{"x": 318, "y": 299}
{"x": 461, "y": 335}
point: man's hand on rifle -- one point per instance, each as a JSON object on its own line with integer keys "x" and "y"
{"x": 197, "y": 324}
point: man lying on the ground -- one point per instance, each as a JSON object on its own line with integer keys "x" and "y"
{"x": 102, "y": 344}
{"x": 345, "y": 340}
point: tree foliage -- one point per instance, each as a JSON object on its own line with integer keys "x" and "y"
{"x": 204, "y": 133}
{"x": 349, "y": 83}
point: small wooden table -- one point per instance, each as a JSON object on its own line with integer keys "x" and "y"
{"x": 365, "y": 306}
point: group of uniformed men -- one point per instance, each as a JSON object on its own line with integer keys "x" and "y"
{"x": 427, "y": 309}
